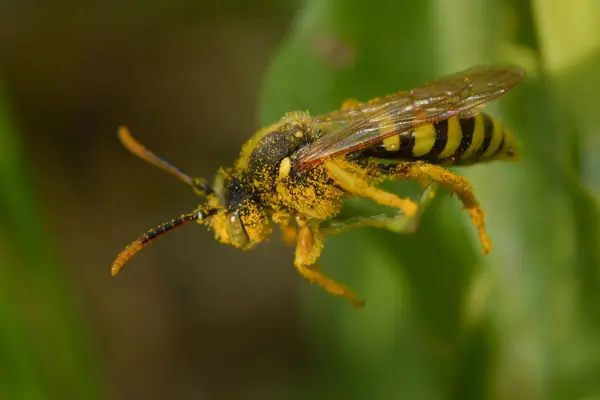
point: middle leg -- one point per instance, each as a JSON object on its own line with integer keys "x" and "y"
{"x": 398, "y": 223}
{"x": 358, "y": 186}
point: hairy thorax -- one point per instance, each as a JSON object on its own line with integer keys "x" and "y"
{"x": 308, "y": 192}
{"x": 267, "y": 164}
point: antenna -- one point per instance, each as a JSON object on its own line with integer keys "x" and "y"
{"x": 199, "y": 184}
{"x": 149, "y": 236}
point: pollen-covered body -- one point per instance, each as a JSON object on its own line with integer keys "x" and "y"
{"x": 276, "y": 190}
{"x": 276, "y": 181}
{"x": 265, "y": 188}
{"x": 267, "y": 178}
{"x": 296, "y": 172}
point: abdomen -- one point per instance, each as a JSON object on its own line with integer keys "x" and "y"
{"x": 458, "y": 141}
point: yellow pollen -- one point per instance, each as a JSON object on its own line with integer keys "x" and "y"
{"x": 284, "y": 168}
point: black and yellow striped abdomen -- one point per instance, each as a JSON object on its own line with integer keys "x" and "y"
{"x": 456, "y": 141}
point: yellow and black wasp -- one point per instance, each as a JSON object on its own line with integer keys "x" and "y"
{"x": 296, "y": 172}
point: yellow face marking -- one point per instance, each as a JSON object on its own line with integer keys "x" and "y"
{"x": 454, "y": 138}
{"x": 284, "y": 168}
{"x": 424, "y": 140}
{"x": 392, "y": 143}
{"x": 298, "y": 134}
{"x": 496, "y": 139}
{"x": 478, "y": 136}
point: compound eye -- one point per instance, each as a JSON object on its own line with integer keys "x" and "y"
{"x": 235, "y": 230}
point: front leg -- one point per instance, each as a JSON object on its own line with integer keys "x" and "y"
{"x": 308, "y": 248}
{"x": 285, "y": 220}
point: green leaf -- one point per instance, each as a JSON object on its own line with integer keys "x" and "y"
{"x": 442, "y": 321}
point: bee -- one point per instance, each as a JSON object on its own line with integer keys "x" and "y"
{"x": 296, "y": 172}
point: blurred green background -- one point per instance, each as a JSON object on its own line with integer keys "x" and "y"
{"x": 191, "y": 318}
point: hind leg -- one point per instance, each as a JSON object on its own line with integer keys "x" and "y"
{"x": 456, "y": 183}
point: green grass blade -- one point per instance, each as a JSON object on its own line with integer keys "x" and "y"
{"x": 45, "y": 350}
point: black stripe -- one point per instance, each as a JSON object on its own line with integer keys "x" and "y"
{"x": 488, "y": 134}
{"x": 407, "y": 144}
{"x": 441, "y": 139}
{"x": 500, "y": 146}
{"x": 467, "y": 127}
{"x": 404, "y": 152}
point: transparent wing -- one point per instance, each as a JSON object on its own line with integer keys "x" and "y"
{"x": 462, "y": 94}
